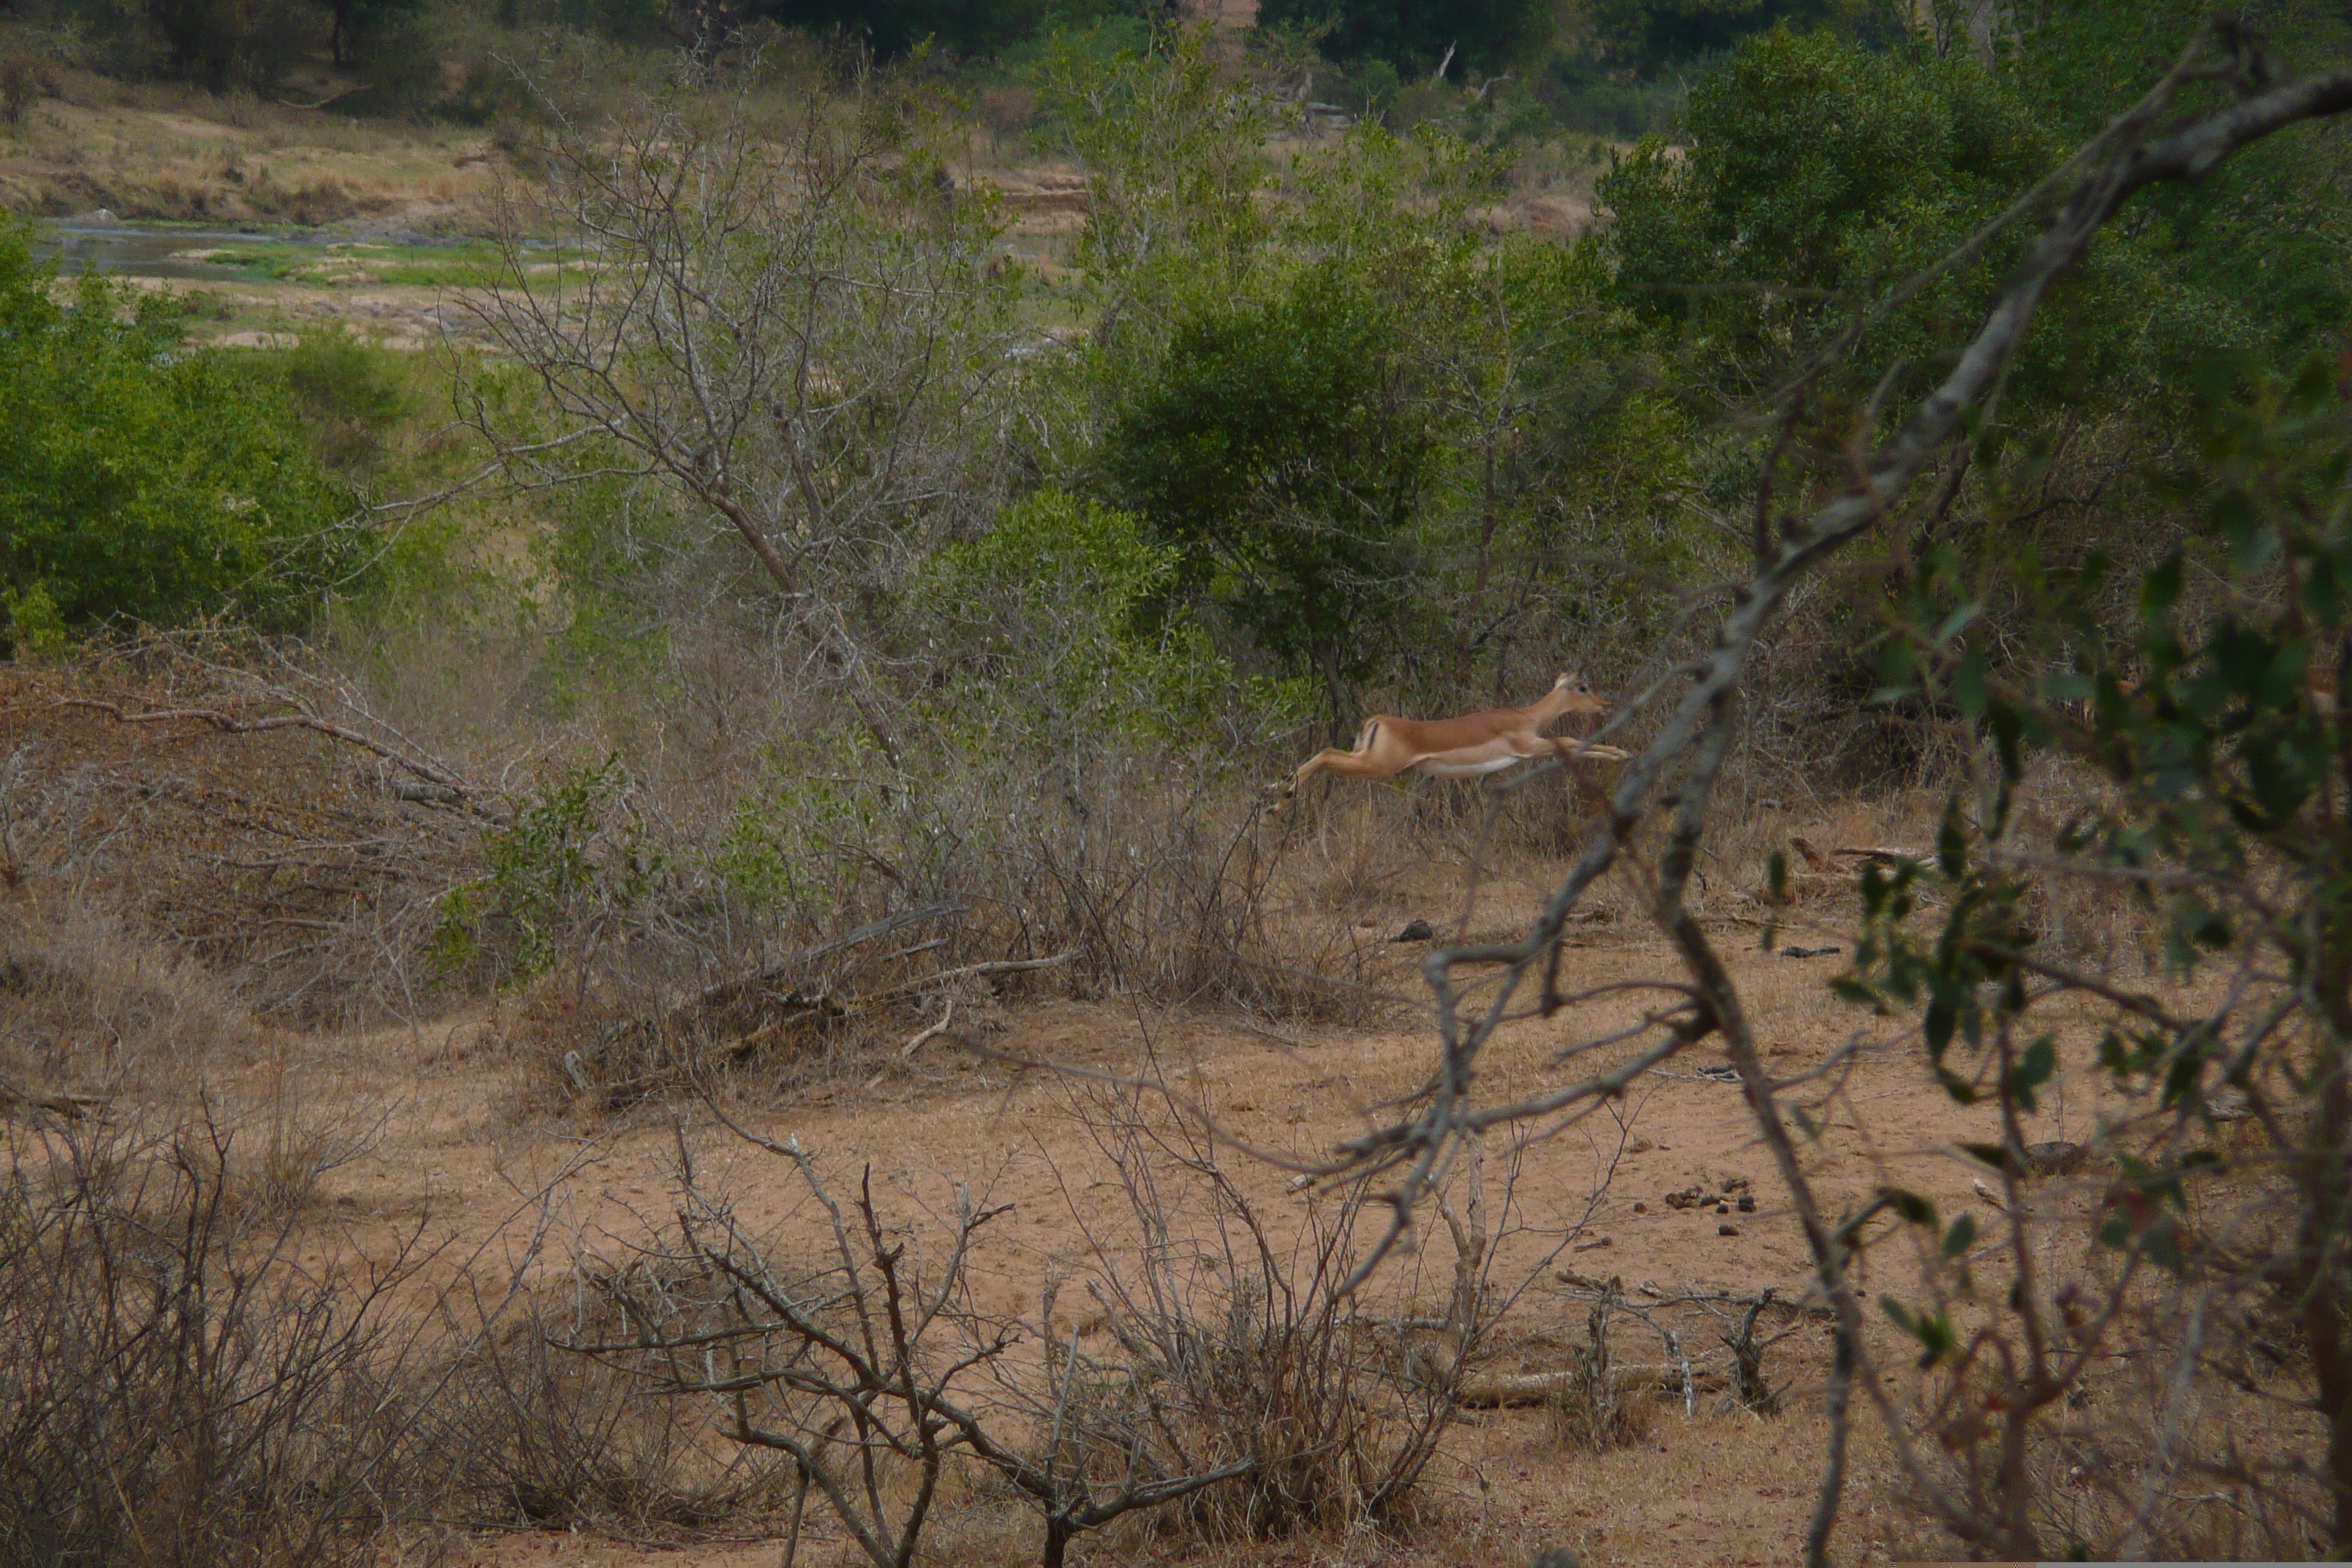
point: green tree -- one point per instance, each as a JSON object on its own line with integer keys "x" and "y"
{"x": 893, "y": 27}
{"x": 224, "y": 44}
{"x": 1278, "y": 449}
{"x": 1057, "y": 656}
{"x": 1646, "y": 34}
{"x": 358, "y": 19}
{"x": 1820, "y": 172}
{"x": 144, "y": 481}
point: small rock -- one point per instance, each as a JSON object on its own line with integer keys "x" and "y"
{"x": 1640, "y": 1208}
{"x": 1416, "y": 930}
{"x": 1721, "y": 1072}
{"x": 1723, "y": 1208}
{"x": 1727, "y": 1230}
{"x": 98, "y": 217}
{"x": 2056, "y": 1158}
{"x": 1689, "y": 1197}
{"x": 1794, "y": 951}
{"x": 1736, "y": 1183}
{"x": 1596, "y": 1246}
{"x": 1747, "y": 1203}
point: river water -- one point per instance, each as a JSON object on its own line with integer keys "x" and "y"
{"x": 151, "y": 250}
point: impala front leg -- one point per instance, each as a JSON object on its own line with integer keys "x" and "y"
{"x": 1581, "y": 786}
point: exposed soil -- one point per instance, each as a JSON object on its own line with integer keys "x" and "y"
{"x": 1716, "y": 1487}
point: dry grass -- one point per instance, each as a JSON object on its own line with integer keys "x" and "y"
{"x": 88, "y": 1007}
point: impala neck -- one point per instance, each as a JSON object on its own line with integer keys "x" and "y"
{"x": 1551, "y": 705}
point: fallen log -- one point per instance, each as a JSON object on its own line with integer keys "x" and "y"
{"x": 726, "y": 992}
{"x": 1496, "y": 1391}
{"x": 73, "y": 1107}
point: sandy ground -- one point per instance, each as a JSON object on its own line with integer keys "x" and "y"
{"x": 459, "y": 1151}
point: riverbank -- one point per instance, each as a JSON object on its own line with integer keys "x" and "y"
{"x": 172, "y": 154}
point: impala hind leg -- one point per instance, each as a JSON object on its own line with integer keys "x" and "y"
{"x": 1330, "y": 759}
{"x": 1369, "y": 759}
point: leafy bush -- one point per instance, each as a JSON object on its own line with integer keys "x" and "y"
{"x": 575, "y": 851}
{"x": 1051, "y": 606}
{"x": 146, "y": 481}
{"x": 345, "y": 393}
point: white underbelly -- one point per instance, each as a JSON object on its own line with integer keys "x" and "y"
{"x": 1439, "y": 768}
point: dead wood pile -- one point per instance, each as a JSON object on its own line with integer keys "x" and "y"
{"x": 198, "y": 806}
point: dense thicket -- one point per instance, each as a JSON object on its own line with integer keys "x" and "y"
{"x": 1478, "y": 36}
{"x": 1386, "y": 448}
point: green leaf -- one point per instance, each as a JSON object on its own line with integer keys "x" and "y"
{"x": 1912, "y": 1208}
{"x": 1993, "y": 1154}
{"x": 1958, "y": 621}
{"x": 2159, "y": 591}
{"x": 1968, "y": 683}
{"x": 1952, "y": 847}
{"x": 1962, "y": 1237}
{"x": 2034, "y": 1069}
{"x": 1942, "y": 1016}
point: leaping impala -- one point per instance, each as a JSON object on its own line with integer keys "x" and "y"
{"x": 1467, "y": 747}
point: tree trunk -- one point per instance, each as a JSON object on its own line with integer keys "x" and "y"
{"x": 2327, "y": 1312}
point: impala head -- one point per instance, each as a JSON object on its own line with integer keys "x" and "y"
{"x": 1572, "y": 693}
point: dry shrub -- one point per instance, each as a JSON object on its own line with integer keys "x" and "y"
{"x": 1596, "y": 1407}
{"x": 1250, "y": 1346}
{"x": 2077, "y": 916}
{"x": 518, "y": 1433}
{"x": 2190, "y": 1438}
{"x": 178, "y": 1383}
{"x": 844, "y": 1371}
{"x": 282, "y": 859}
{"x": 1235, "y": 1390}
{"x": 1585, "y": 1417}
{"x": 820, "y": 934}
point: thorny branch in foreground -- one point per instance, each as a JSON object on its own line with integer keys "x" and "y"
{"x": 1677, "y": 772}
